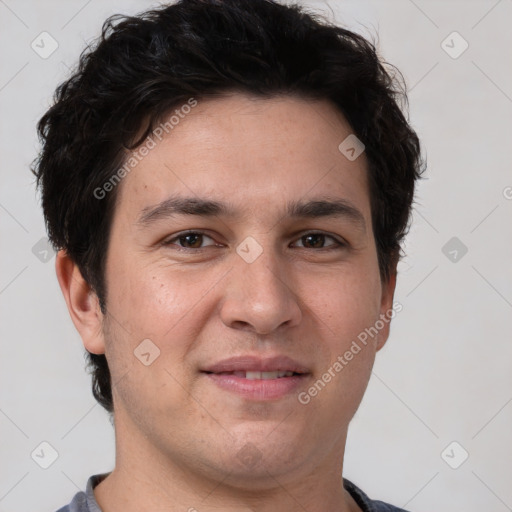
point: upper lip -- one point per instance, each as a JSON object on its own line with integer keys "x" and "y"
{"x": 257, "y": 364}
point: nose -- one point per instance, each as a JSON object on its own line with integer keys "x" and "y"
{"x": 259, "y": 296}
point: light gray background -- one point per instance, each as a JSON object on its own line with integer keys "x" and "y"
{"x": 445, "y": 374}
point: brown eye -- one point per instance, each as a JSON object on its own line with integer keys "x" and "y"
{"x": 190, "y": 240}
{"x": 317, "y": 241}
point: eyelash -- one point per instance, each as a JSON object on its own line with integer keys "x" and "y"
{"x": 338, "y": 244}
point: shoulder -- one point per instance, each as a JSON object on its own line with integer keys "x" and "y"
{"x": 78, "y": 504}
{"x": 85, "y": 501}
{"x": 365, "y": 503}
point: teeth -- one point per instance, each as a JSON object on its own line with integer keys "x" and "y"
{"x": 266, "y": 375}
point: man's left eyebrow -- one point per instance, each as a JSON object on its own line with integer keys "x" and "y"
{"x": 306, "y": 209}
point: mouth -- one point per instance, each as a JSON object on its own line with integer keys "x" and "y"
{"x": 256, "y": 378}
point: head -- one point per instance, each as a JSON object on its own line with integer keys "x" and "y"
{"x": 227, "y": 118}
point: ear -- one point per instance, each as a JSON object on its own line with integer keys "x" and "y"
{"x": 386, "y": 308}
{"x": 83, "y": 304}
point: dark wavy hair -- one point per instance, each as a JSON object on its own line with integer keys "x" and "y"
{"x": 143, "y": 66}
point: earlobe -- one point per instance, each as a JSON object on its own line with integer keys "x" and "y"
{"x": 82, "y": 302}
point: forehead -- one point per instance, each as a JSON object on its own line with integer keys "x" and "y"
{"x": 249, "y": 152}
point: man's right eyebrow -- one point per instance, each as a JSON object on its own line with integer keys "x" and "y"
{"x": 182, "y": 206}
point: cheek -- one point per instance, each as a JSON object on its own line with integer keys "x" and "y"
{"x": 344, "y": 313}
{"x": 150, "y": 304}
{"x": 152, "y": 299}
{"x": 167, "y": 305}
{"x": 346, "y": 304}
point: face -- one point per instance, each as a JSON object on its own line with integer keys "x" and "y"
{"x": 278, "y": 273}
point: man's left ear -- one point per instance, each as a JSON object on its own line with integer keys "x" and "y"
{"x": 386, "y": 309}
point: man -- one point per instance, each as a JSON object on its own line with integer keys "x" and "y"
{"x": 228, "y": 184}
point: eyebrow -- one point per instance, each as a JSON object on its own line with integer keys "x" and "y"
{"x": 304, "y": 209}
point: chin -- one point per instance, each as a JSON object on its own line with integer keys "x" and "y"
{"x": 255, "y": 458}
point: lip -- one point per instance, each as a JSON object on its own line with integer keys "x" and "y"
{"x": 258, "y": 389}
{"x": 257, "y": 364}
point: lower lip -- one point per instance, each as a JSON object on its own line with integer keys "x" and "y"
{"x": 258, "y": 389}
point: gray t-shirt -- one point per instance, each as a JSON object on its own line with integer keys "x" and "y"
{"x": 86, "y": 502}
